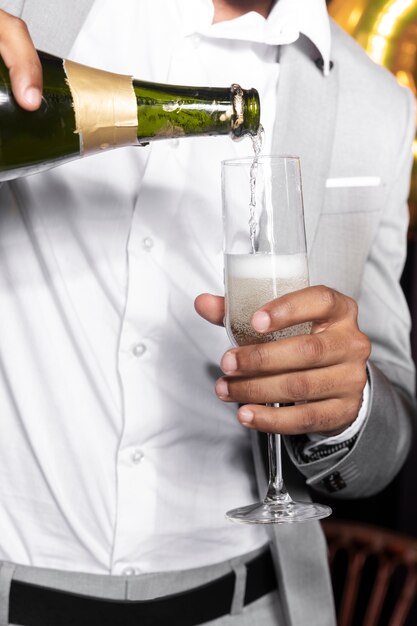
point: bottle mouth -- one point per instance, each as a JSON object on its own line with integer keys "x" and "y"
{"x": 246, "y": 113}
{"x": 238, "y": 104}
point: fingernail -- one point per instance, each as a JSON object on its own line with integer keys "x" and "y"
{"x": 221, "y": 388}
{"x": 32, "y": 96}
{"x": 245, "y": 416}
{"x": 261, "y": 321}
{"x": 229, "y": 363}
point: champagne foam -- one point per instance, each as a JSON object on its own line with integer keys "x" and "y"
{"x": 269, "y": 266}
{"x": 252, "y": 280}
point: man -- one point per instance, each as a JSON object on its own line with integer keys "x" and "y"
{"x": 117, "y": 460}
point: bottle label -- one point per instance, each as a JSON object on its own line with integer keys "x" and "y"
{"x": 105, "y": 107}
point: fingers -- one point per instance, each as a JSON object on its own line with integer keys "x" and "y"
{"x": 320, "y": 305}
{"x": 211, "y": 308}
{"x": 21, "y": 58}
{"x": 338, "y": 381}
{"x": 327, "y": 416}
{"x": 329, "y": 367}
{"x": 298, "y": 353}
{"x": 324, "y": 372}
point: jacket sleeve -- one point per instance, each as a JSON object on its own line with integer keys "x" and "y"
{"x": 381, "y": 447}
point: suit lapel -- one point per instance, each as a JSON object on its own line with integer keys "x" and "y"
{"x": 305, "y": 122}
{"x": 54, "y": 25}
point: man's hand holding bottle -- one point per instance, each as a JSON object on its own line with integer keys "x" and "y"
{"x": 21, "y": 58}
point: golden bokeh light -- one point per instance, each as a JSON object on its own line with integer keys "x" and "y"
{"x": 387, "y": 30}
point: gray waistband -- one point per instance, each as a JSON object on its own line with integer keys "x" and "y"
{"x": 135, "y": 587}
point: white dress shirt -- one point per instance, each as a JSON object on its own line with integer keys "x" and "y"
{"x": 115, "y": 454}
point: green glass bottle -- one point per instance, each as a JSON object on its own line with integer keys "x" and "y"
{"x": 85, "y": 111}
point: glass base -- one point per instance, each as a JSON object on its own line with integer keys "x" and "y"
{"x": 278, "y": 513}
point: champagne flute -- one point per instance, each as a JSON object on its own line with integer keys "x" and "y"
{"x": 265, "y": 257}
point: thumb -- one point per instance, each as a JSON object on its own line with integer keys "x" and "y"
{"x": 22, "y": 61}
{"x": 210, "y": 307}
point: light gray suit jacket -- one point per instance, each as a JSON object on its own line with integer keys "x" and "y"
{"x": 357, "y": 122}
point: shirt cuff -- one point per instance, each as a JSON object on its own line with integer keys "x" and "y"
{"x": 316, "y": 440}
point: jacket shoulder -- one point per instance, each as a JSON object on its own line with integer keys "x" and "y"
{"x": 355, "y": 64}
{"x": 374, "y": 93}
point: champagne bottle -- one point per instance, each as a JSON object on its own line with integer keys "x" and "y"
{"x": 85, "y": 111}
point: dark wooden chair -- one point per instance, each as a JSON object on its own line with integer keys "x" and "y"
{"x": 374, "y": 573}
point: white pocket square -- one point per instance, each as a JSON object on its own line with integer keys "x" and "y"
{"x": 353, "y": 181}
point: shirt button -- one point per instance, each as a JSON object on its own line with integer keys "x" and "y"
{"x": 129, "y": 571}
{"x": 137, "y": 456}
{"x": 139, "y": 350}
{"x": 148, "y": 243}
{"x": 196, "y": 40}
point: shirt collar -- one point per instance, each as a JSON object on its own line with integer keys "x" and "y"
{"x": 287, "y": 19}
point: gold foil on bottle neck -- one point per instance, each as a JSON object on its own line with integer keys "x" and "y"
{"x": 105, "y": 107}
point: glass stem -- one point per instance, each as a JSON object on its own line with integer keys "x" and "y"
{"x": 277, "y": 492}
